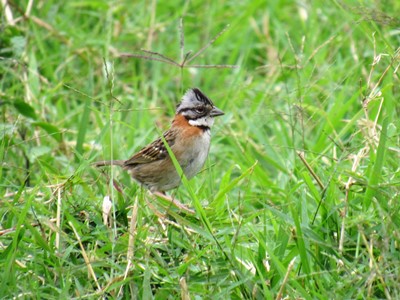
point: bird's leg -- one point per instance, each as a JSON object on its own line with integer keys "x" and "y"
{"x": 174, "y": 202}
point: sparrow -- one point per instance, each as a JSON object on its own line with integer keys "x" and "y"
{"x": 189, "y": 139}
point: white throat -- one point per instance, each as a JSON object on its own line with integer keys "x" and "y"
{"x": 206, "y": 121}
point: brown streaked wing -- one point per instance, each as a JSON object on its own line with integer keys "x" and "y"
{"x": 155, "y": 151}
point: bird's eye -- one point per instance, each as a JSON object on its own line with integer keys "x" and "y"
{"x": 199, "y": 110}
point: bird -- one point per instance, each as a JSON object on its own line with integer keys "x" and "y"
{"x": 189, "y": 138}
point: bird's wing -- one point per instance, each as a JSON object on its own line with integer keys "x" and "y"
{"x": 152, "y": 152}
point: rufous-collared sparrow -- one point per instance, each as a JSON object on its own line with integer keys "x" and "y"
{"x": 189, "y": 139}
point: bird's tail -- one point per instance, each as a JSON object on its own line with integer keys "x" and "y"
{"x": 104, "y": 163}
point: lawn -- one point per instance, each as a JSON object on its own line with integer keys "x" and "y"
{"x": 299, "y": 198}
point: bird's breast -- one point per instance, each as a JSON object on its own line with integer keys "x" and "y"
{"x": 195, "y": 154}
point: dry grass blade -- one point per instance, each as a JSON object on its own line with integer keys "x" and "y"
{"x": 58, "y": 218}
{"x": 285, "y": 279}
{"x": 85, "y": 256}
{"x": 131, "y": 241}
{"x": 208, "y": 44}
{"x": 184, "y": 289}
{"x": 133, "y": 223}
{"x": 320, "y": 47}
{"x": 162, "y": 56}
{"x": 213, "y": 66}
{"x": 309, "y": 168}
{"x": 185, "y": 58}
{"x": 148, "y": 58}
{"x": 79, "y": 92}
{"x": 182, "y": 39}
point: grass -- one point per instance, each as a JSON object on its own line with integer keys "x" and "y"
{"x": 298, "y": 199}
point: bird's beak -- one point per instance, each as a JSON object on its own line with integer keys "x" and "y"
{"x": 215, "y": 112}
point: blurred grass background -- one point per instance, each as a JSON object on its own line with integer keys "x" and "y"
{"x": 300, "y": 194}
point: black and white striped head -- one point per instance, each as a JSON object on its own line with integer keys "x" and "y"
{"x": 198, "y": 109}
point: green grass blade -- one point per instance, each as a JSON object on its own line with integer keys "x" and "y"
{"x": 376, "y": 172}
